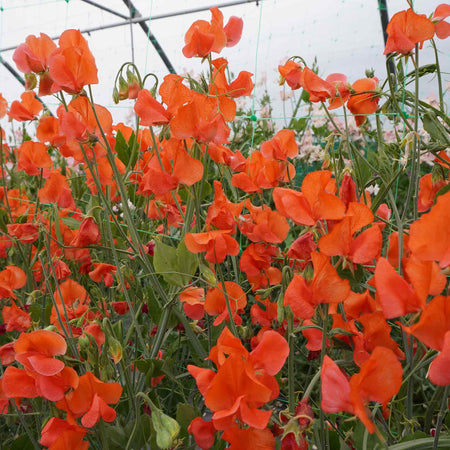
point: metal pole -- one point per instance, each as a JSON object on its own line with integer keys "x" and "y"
{"x": 145, "y": 19}
{"x": 150, "y": 36}
{"x": 16, "y": 75}
{"x": 384, "y": 16}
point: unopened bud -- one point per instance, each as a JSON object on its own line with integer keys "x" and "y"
{"x": 123, "y": 88}
{"x": 166, "y": 428}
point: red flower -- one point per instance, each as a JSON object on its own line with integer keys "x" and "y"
{"x": 203, "y": 433}
{"x": 88, "y": 234}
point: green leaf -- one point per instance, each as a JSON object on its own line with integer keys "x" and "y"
{"x": 22, "y": 443}
{"x": 165, "y": 261}
{"x": 422, "y": 444}
{"x": 177, "y": 266}
{"x": 435, "y": 129}
{"x": 340, "y": 331}
{"x": 121, "y": 148}
{"x": 442, "y": 191}
{"x": 185, "y": 415}
{"x": 187, "y": 262}
{"x": 35, "y": 312}
{"x": 4, "y": 220}
{"x": 72, "y": 223}
{"x": 115, "y": 437}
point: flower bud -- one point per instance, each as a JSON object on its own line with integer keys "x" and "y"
{"x": 123, "y": 88}
{"x": 166, "y": 428}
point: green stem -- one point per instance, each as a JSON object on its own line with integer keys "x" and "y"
{"x": 227, "y": 300}
{"x": 441, "y": 417}
{"x": 438, "y": 73}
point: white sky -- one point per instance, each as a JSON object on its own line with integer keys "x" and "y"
{"x": 344, "y": 35}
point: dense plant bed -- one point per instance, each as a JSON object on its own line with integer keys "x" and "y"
{"x": 203, "y": 280}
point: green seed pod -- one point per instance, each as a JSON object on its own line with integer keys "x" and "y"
{"x": 166, "y": 428}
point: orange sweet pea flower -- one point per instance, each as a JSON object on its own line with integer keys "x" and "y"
{"x": 91, "y": 399}
{"x": 205, "y": 37}
{"x": 167, "y": 168}
{"x": 405, "y": 30}
{"x": 17, "y": 383}
{"x": 79, "y": 121}
{"x": 301, "y": 250}
{"x": 149, "y": 110}
{"x": 76, "y": 305}
{"x": 57, "y": 190}
{"x": 317, "y": 201}
{"x": 222, "y": 213}
{"x": 59, "y": 434}
{"x": 203, "y": 433}
{"x": 201, "y": 119}
{"x": 11, "y": 277}
{"x": 264, "y": 317}
{"x": 341, "y": 241}
{"x": 342, "y": 90}
{"x": 242, "y": 86}
{"x": 433, "y": 329}
{"x": 362, "y": 103}
{"x": 291, "y": 73}
{"x": 379, "y": 380}
{"x": 325, "y": 287}
{"x": 44, "y": 375}
{"x": 281, "y": 146}
{"x": 26, "y": 233}
{"x": 3, "y": 106}
{"x": 174, "y": 93}
{"x": 244, "y": 381}
{"x": 397, "y": 296}
{"x": 7, "y": 354}
{"x": 103, "y": 272}
{"x": 87, "y": 234}
{"x": 260, "y": 173}
{"x": 193, "y": 300}
{"x": 48, "y": 131}
{"x": 441, "y": 26}
{"x": 216, "y": 243}
{"x": 319, "y": 90}
{"x": 15, "y": 318}
{"x": 428, "y": 190}
{"x": 256, "y": 258}
{"x": 36, "y": 351}
{"x": 263, "y": 224}
{"x": 249, "y": 438}
{"x": 216, "y": 302}
{"x": 27, "y": 109}
{"x": 33, "y": 57}
{"x": 376, "y": 333}
{"x": 32, "y": 157}
{"x": 72, "y": 65}
{"x": 430, "y": 236}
